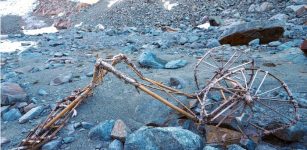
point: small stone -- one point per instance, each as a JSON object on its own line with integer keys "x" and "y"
{"x": 234, "y": 147}
{"x": 62, "y": 23}
{"x": 11, "y": 115}
{"x": 22, "y": 104}
{"x": 120, "y": 130}
{"x": 116, "y": 145}
{"x": 29, "y": 107}
{"x": 281, "y": 17}
{"x": 248, "y": 144}
{"x": 175, "y": 64}
{"x": 193, "y": 38}
{"x": 12, "y": 93}
{"x": 265, "y": 6}
{"x": 176, "y": 82}
{"x": 58, "y": 54}
{"x": 102, "y": 130}
{"x": 87, "y": 125}
{"x": 42, "y": 92}
{"x": 52, "y": 145}
{"x": 4, "y": 140}
{"x": 90, "y": 74}
{"x": 34, "y": 112}
{"x": 274, "y": 43}
{"x": 69, "y": 139}
{"x": 254, "y": 43}
{"x": 208, "y": 147}
{"x": 130, "y": 49}
{"x": 183, "y": 40}
{"x": 61, "y": 79}
{"x": 150, "y": 60}
{"x": 213, "y": 43}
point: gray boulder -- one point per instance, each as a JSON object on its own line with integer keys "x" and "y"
{"x": 52, "y": 145}
{"x": 61, "y": 79}
{"x": 102, "y": 131}
{"x": 163, "y": 138}
{"x": 293, "y": 133}
{"x": 150, "y": 60}
{"x": 12, "y": 93}
{"x": 11, "y": 115}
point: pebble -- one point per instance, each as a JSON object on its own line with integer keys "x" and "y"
{"x": 116, "y": 145}
{"x": 42, "y": 92}
{"x": 68, "y": 139}
{"x": 213, "y": 43}
{"x": 274, "y": 43}
{"x": 175, "y": 64}
{"x": 34, "y": 112}
{"x": 234, "y": 147}
{"x": 254, "y": 42}
{"x": 61, "y": 79}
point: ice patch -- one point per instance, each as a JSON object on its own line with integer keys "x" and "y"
{"x": 43, "y": 30}
{"x": 86, "y": 1}
{"x": 167, "y": 5}
{"x": 8, "y": 46}
{"x": 204, "y": 26}
{"x": 17, "y": 7}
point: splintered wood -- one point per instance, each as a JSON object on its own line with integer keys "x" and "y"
{"x": 237, "y": 95}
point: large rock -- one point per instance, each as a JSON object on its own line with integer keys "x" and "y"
{"x": 52, "y": 145}
{"x": 102, "y": 130}
{"x": 12, "y": 93}
{"x": 120, "y": 130}
{"x": 242, "y": 34}
{"x": 33, "y": 113}
{"x": 11, "y": 115}
{"x": 150, "y": 60}
{"x": 163, "y": 138}
{"x": 304, "y": 46}
{"x": 293, "y": 133}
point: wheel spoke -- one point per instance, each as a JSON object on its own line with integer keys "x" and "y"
{"x": 273, "y": 110}
{"x": 266, "y": 73}
{"x": 269, "y": 91}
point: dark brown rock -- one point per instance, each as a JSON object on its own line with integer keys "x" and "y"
{"x": 242, "y": 34}
{"x": 62, "y": 24}
{"x": 304, "y": 46}
{"x": 12, "y": 93}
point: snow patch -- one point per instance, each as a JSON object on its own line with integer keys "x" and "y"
{"x": 86, "y": 1}
{"x": 204, "y": 26}
{"x": 43, "y": 30}
{"x": 17, "y": 7}
{"x": 8, "y": 46}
